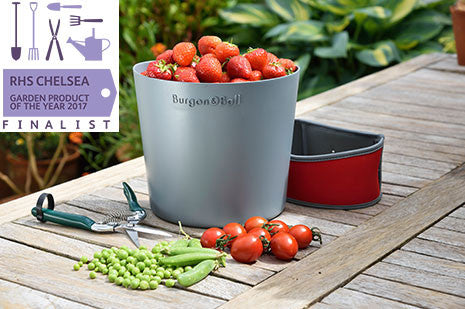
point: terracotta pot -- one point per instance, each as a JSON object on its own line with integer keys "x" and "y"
{"x": 458, "y": 21}
{"x": 17, "y": 168}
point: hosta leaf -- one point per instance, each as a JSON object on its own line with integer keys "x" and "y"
{"x": 425, "y": 48}
{"x": 433, "y": 3}
{"x": 338, "y": 25}
{"x": 343, "y": 7}
{"x": 250, "y": 14}
{"x": 290, "y": 10}
{"x": 399, "y": 9}
{"x": 338, "y": 48}
{"x": 315, "y": 85}
{"x": 298, "y": 31}
{"x": 374, "y": 11}
{"x": 380, "y": 55}
{"x": 303, "y": 63}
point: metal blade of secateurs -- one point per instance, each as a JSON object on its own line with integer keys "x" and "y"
{"x": 133, "y": 235}
{"x": 149, "y": 230}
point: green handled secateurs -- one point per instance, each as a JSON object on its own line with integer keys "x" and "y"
{"x": 126, "y": 222}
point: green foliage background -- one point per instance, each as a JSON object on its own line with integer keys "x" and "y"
{"x": 334, "y": 42}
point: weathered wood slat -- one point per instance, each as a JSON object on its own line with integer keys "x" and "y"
{"x": 419, "y": 96}
{"x": 71, "y": 189}
{"x": 445, "y": 236}
{"x": 341, "y": 216}
{"x": 51, "y": 274}
{"x": 365, "y": 83}
{"x": 397, "y": 190}
{"x": 345, "y": 298}
{"x": 453, "y": 224}
{"x": 409, "y": 181}
{"x": 15, "y": 296}
{"x": 413, "y": 171}
{"x": 447, "y": 80}
{"x": 405, "y": 293}
{"x": 50, "y": 242}
{"x": 404, "y": 110}
{"x": 419, "y": 278}
{"x": 459, "y": 213}
{"x": 325, "y": 270}
{"x": 372, "y": 210}
{"x": 448, "y": 64}
{"x": 427, "y": 263}
{"x": 389, "y": 200}
{"x": 436, "y": 249}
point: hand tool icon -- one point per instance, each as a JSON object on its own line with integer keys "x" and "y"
{"x": 75, "y": 20}
{"x": 33, "y": 51}
{"x": 54, "y": 39}
{"x": 16, "y": 51}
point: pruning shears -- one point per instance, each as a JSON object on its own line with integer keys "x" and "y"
{"x": 123, "y": 222}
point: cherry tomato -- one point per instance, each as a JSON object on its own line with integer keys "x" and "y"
{"x": 234, "y": 229}
{"x": 258, "y": 231}
{"x": 254, "y": 222}
{"x": 247, "y": 249}
{"x": 302, "y": 234}
{"x": 280, "y": 227}
{"x": 209, "y": 237}
{"x": 284, "y": 246}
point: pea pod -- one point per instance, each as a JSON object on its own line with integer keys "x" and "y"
{"x": 190, "y": 258}
{"x": 194, "y": 243}
{"x": 180, "y": 243}
{"x": 185, "y": 250}
{"x": 199, "y": 272}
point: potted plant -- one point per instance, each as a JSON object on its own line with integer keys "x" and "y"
{"x": 35, "y": 161}
{"x": 458, "y": 21}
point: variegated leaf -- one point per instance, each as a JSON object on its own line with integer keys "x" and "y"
{"x": 290, "y": 10}
{"x": 250, "y": 14}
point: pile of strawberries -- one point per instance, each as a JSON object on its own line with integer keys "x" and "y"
{"x": 220, "y": 62}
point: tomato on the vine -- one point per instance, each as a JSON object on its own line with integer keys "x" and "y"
{"x": 284, "y": 246}
{"x": 247, "y": 249}
{"x": 302, "y": 234}
{"x": 258, "y": 231}
{"x": 209, "y": 237}
{"x": 276, "y": 226}
{"x": 254, "y": 222}
{"x": 235, "y": 230}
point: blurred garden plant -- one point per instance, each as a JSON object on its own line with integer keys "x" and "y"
{"x": 34, "y": 147}
{"x": 336, "y": 41}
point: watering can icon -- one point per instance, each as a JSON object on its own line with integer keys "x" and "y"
{"x": 91, "y": 48}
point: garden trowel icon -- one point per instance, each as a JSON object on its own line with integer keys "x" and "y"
{"x": 16, "y": 51}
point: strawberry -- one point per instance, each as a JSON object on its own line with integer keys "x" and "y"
{"x": 183, "y": 53}
{"x": 195, "y": 61}
{"x": 207, "y": 56}
{"x": 159, "y": 69}
{"x": 186, "y": 74}
{"x": 225, "y": 78}
{"x": 273, "y": 70}
{"x": 239, "y": 66}
{"x": 238, "y": 80}
{"x": 209, "y": 70}
{"x": 208, "y": 43}
{"x": 226, "y": 50}
{"x": 271, "y": 58}
{"x": 167, "y": 55}
{"x": 288, "y": 64}
{"x": 144, "y": 73}
{"x": 256, "y": 75}
{"x": 257, "y": 57}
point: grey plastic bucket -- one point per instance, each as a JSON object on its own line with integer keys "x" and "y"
{"x": 216, "y": 153}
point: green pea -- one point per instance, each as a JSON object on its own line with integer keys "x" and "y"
{"x": 161, "y": 274}
{"x": 132, "y": 252}
{"x": 143, "y": 248}
{"x": 153, "y": 272}
{"x": 140, "y": 265}
{"x": 153, "y": 284}
{"x": 156, "y": 250}
{"x": 160, "y": 269}
{"x": 158, "y": 256}
{"x": 147, "y": 271}
{"x": 117, "y": 266}
{"x": 187, "y": 268}
{"x": 123, "y": 262}
{"x": 147, "y": 262}
{"x": 122, "y": 254}
{"x": 96, "y": 260}
{"x": 140, "y": 256}
{"x": 92, "y": 275}
{"x": 103, "y": 261}
{"x": 84, "y": 259}
{"x": 105, "y": 271}
{"x": 97, "y": 255}
{"x": 113, "y": 272}
{"x": 181, "y": 270}
{"x": 176, "y": 273}
{"x": 131, "y": 260}
{"x": 145, "y": 278}
{"x": 139, "y": 276}
{"x": 144, "y": 285}
{"x": 135, "y": 284}
{"x": 149, "y": 255}
{"x": 80, "y": 263}
{"x": 135, "y": 271}
{"x": 112, "y": 277}
{"x": 122, "y": 271}
{"x": 114, "y": 249}
{"x": 76, "y": 267}
{"x": 154, "y": 267}
{"x": 132, "y": 278}
{"x": 127, "y": 274}
{"x": 91, "y": 266}
{"x": 125, "y": 248}
{"x": 105, "y": 255}
{"x": 126, "y": 282}
{"x": 157, "y": 279}
{"x": 170, "y": 283}
{"x": 166, "y": 274}
{"x": 119, "y": 280}
{"x": 164, "y": 243}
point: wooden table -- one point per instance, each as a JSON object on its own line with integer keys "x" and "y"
{"x": 407, "y": 251}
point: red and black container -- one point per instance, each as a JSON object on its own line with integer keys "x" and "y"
{"x": 333, "y": 167}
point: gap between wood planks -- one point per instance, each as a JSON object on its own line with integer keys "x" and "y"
{"x": 317, "y": 275}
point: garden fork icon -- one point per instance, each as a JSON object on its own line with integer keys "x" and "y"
{"x": 54, "y": 39}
